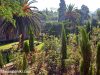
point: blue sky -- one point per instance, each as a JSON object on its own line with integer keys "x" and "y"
{"x": 54, "y": 4}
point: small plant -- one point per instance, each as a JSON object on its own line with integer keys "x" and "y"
{"x": 1, "y": 61}
{"x": 26, "y": 47}
{"x": 98, "y": 59}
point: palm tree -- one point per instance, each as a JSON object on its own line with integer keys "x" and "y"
{"x": 86, "y": 52}
{"x": 72, "y": 15}
{"x": 24, "y": 20}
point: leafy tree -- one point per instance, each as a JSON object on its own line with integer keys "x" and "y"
{"x": 63, "y": 50}
{"x": 84, "y": 12}
{"x": 86, "y": 52}
{"x": 98, "y": 59}
{"x": 23, "y": 19}
{"x": 72, "y": 15}
{"x": 1, "y": 61}
{"x": 94, "y": 22}
{"x": 98, "y": 13}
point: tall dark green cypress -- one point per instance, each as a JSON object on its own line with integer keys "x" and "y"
{"x": 98, "y": 59}
{"x": 86, "y": 52}
{"x": 1, "y": 60}
{"x": 63, "y": 50}
{"x": 31, "y": 40}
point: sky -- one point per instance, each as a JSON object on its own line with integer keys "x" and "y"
{"x": 54, "y": 4}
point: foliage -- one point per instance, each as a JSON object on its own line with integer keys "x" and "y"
{"x": 1, "y": 61}
{"x": 94, "y": 23}
{"x": 51, "y": 43}
{"x": 98, "y": 13}
{"x": 72, "y": 15}
{"x": 24, "y": 21}
{"x": 8, "y": 8}
{"x": 85, "y": 51}
{"x": 19, "y": 61}
{"x": 98, "y": 59}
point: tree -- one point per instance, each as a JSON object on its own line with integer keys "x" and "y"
{"x": 86, "y": 52}
{"x": 25, "y": 19}
{"x": 98, "y": 60}
{"x": 98, "y": 13}
{"x": 73, "y": 16}
{"x": 62, "y": 11}
{"x": 63, "y": 50}
{"x": 84, "y": 12}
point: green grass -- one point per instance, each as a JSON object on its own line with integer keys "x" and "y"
{"x": 10, "y": 45}
{"x": 7, "y": 46}
{"x": 39, "y": 47}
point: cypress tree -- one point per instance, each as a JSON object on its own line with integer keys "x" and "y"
{"x": 1, "y": 61}
{"x": 98, "y": 59}
{"x": 63, "y": 50}
{"x": 31, "y": 40}
{"x": 86, "y": 52}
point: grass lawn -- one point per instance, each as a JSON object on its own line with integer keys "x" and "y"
{"x": 7, "y": 46}
{"x": 39, "y": 47}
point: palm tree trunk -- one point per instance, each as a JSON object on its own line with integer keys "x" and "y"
{"x": 21, "y": 40}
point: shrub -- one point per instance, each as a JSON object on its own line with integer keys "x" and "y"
{"x": 26, "y": 47}
{"x": 1, "y": 61}
{"x": 98, "y": 59}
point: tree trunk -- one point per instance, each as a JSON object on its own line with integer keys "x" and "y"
{"x": 21, "y": 40}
